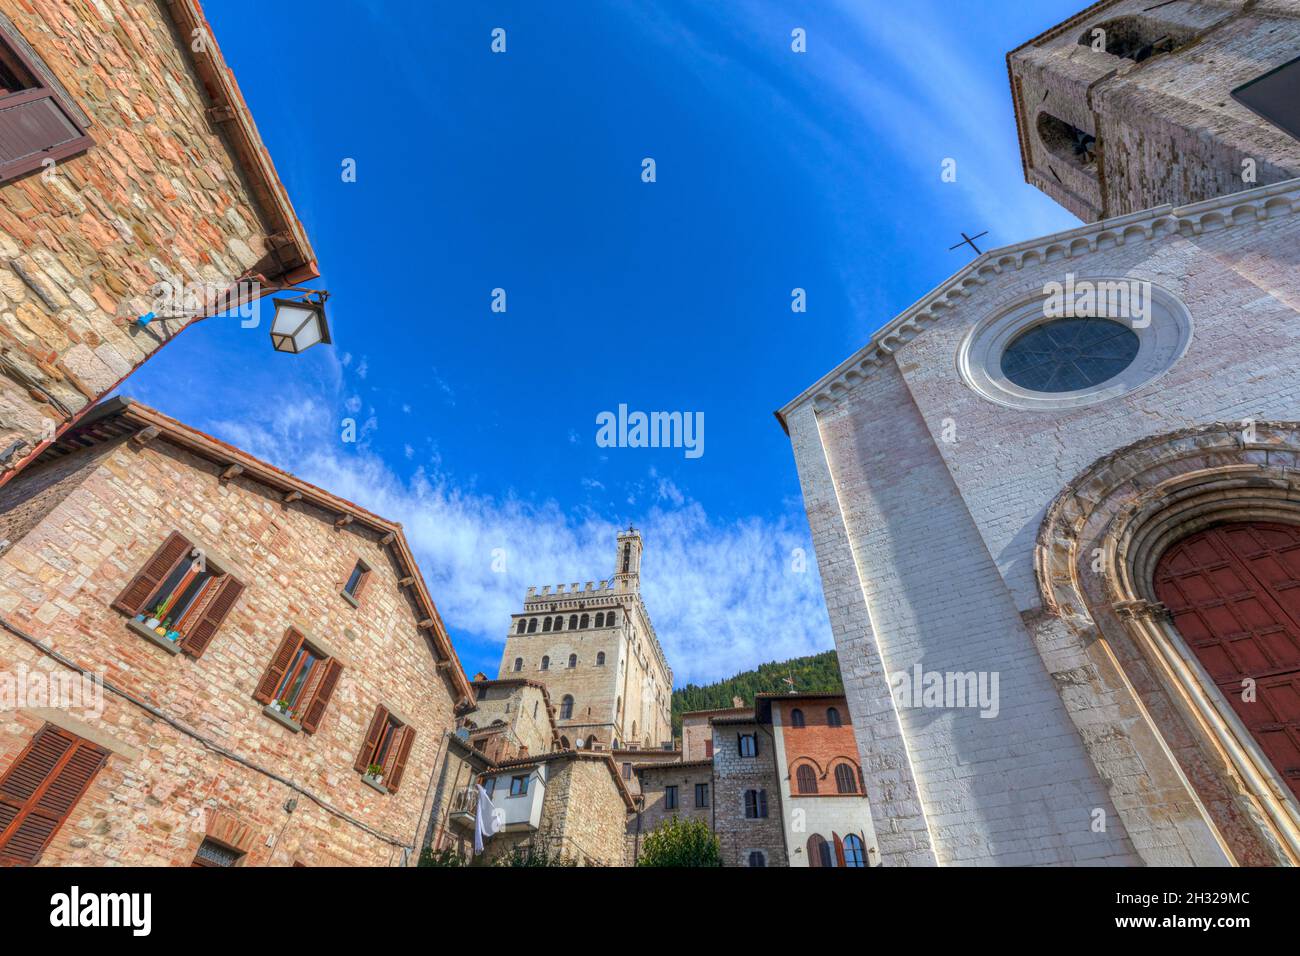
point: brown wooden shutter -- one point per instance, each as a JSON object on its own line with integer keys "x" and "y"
{"x": 38, "y": 123}
{"x": 377, "y": 724}
{"x": 40, "y": 789}
{"x": 164, "y": 561}
{"x": 324, "y": 690}
{"x": 270, "y": 681}
{"x": 361, "y": 582}
{"x": 839, "y": 850}
{"x": 228, "y": 591}
{"x": 393, "y": 779}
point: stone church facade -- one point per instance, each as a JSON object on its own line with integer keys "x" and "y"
{"x": 1054, "y": 509}
{"x": 596, "y": 652}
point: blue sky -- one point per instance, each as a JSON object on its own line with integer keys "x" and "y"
{"x": 522, "y": 171}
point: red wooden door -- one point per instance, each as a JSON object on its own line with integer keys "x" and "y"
{"x": 1234, "y": 591}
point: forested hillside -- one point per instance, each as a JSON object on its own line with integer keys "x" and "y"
{"x": 820, "y": 672}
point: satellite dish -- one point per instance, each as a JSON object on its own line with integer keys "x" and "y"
{"x": 578, "y": 743}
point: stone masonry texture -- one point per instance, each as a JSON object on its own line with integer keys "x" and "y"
{"x": 109, "y": 508}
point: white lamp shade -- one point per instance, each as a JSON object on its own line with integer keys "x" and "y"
{"x": 298, "y": 325}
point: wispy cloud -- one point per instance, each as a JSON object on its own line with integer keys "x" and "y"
{"x": 723, "y": 595}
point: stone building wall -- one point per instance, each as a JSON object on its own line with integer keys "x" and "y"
{"x": 927, "y": 549}
{"x": 162, "y": 195}
{"x": 57, "y": 583}
{"x": 651, "y": 783}
{"x": 1168, "y": 128}
{"x": 732, "y": 776}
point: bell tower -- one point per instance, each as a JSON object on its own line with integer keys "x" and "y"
{"x": 627, "y": 570}
{"x": 1132, "y": 104}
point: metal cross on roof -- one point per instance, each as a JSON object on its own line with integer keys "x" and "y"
{"x": 969, "y": 241}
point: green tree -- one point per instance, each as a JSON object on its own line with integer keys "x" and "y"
{"x": 678, "y": 842}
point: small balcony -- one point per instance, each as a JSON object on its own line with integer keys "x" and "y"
{"x": 464, "y": 806}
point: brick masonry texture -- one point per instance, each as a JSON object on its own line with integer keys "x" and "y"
{"x": 1168, "y": 128}
{"x": 926, "y": 546}
{"x": 159, "y": 197}
{"x": 109, "y": 509}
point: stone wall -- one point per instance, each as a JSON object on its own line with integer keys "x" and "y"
{"x": 732, "y": 776}
{"x": 57, "y": 582}
{"x": 160, "y": 196}
{"x": 651, "y": 782}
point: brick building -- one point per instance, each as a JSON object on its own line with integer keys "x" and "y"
{"x": 1054, "y": 542}
{"x": 207, "y": 660}
{"x": 1131, "y": 104}
{"x": 596, "y": 652}
{"x": 132, "y": 180}
{"x": 697, "y": 731}
{"x": 827, "y": 814}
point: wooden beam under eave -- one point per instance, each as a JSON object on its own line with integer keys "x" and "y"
{"x": 146, "y": 434}
{"x": 388, "y": 539}
{"x": 232, "y": 471}
{"x": 406, "y": 582}
{"x": 343, "y": 521}
{"x": 292, "y": 497}
{"x": 425, "y": 624}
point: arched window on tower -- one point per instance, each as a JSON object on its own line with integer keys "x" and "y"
{"x": 1134, "y": 38}
{"x": 846, "y": 781}
{"x": 566, "y": 707}
{"x": 833, "y": 717}
{"x": 519, "y": 664}
{"x": 805, "y": 779}
{"x": 559, "y": 623}
{"x": 1068, "y": 143}
{"x": 523, "y": 626}
{"x": 573, "y": 622}
{"x": 611, "y": 619}
{"x": 600, "y": 658}
{"x": 600, "y": 619}
{"x": 573, "y": 660}
{"x": 546, "y": 663}
{"x": 627, "y": 556}
{"x": 583, "y": 621}
{"x": 796, "y": 718}
{"x": 532, "y": 625}
{"x": 546, "y": 625}
{"x": 591, "y": 742}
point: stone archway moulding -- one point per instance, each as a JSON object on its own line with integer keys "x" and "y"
{"x": 1095, "y": 560}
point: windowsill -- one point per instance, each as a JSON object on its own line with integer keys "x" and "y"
{"x": 349, "y": 598}
{"x": 280, "y": 718}
{"x": 171, "y": 647}
{"x": 374, "y": 784}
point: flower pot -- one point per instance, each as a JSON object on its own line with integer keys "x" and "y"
{"x": 152, "y": 623}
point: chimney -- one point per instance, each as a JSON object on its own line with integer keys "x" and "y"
{"x": 736, "y": 702}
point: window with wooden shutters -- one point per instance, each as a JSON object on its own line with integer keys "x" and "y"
{"x": 755, "y": 804}
{"x": 39, "y": 791}
{"x": 670, "y": 797}
{"x": 299, "y": 682}
{"x": 38, "y": 120}
{"x": 385, "y": 750}
{"x": 846, "y": 780}
{"x": 805, "y": 779}
{"x": 747, "y": 745}
{"x": 180, "y": 596}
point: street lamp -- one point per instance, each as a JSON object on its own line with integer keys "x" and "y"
{"x": 300, "y": 323}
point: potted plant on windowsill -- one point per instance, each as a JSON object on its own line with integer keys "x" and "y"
{"x": 282, "y": 706}
{"x": 156, "y": 617}
{"x": 375, "y": 774}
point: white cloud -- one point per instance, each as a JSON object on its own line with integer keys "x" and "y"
{"x": 722, "y": 595}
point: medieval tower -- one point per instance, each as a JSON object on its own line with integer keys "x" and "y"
{"x": 1130, "y": 105}
{"x": 596, "y": 652}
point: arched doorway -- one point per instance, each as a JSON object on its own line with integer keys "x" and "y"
{"x": 1234, "y": 592}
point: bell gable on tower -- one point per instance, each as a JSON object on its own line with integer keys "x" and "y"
{"x": 627, "y": 575}
{"x": 1128, "y": 106}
